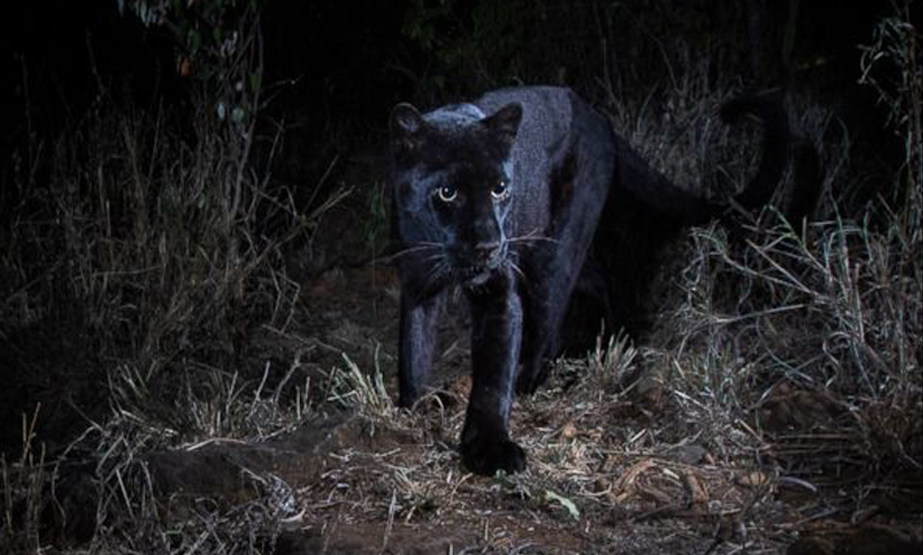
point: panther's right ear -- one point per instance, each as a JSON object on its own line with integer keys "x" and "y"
{"x": 407, "y": 125}
{"x": 505, "y": 122}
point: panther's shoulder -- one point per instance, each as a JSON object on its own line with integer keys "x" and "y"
{"x": 546, "y": 109}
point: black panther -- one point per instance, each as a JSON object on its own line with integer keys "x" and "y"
{"x": 514, "y": 199}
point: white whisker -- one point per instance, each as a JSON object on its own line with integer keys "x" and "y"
{"x": 532, "y": 237}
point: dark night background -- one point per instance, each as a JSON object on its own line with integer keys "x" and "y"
{"x": 80, "y": 81}
{"x": 339, "y": 66}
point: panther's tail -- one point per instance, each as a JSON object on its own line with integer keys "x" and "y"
{"x": 769, "y": 109}
{"x": 780, "y": 148}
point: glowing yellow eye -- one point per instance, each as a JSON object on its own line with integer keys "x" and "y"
{"x": 500, "y": 190}
{"x": 447, "y": 193}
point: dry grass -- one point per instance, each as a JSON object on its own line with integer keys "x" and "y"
{"x": 813, "y": 341}
{"x": 137, "y": 256}
{"x": 24, "y": 498}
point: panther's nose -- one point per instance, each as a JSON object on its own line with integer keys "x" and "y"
{"x": 487, "y": 253}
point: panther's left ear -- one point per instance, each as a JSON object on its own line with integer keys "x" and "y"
{"x": 407, "y": 126}
{"x": 506, "y": 121}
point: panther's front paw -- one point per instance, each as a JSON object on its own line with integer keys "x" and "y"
{"x": 486, "y": 455}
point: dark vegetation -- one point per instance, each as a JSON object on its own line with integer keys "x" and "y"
{"x": 197, "y": 331}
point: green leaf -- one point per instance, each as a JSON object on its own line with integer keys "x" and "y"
{"x": 565, "y": 502}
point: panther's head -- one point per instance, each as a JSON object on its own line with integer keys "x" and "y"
{"x": 453, "y": 191}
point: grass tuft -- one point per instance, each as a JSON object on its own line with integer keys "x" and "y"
{"x": 352, "y": 388}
